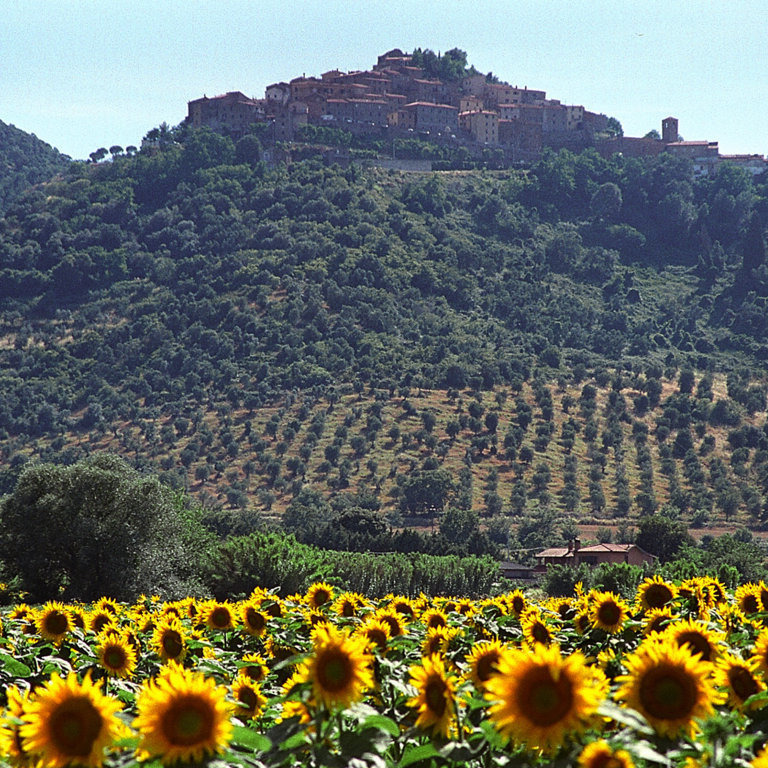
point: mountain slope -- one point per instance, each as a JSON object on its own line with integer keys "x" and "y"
{"x": 151, "y": 296}
{"x": 25, "y": 160}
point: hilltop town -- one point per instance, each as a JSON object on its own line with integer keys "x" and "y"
{"x": 398, "y": 98}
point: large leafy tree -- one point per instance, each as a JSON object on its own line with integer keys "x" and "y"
{"x": 95, "y": 528}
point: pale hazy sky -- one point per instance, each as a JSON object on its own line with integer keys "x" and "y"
{"x": 83, "y": 74}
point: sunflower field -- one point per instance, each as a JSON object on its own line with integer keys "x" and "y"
{"x": 675, "y": 677}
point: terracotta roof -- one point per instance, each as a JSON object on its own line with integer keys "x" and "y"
{"x": 556, "y": 552}
{"x": 428, "y": 104}
{"x": 607, "y": 548}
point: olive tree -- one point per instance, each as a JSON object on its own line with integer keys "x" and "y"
{"x": 98, "y": 527}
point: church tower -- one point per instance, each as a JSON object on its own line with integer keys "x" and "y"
{"x": 669, "y": 130}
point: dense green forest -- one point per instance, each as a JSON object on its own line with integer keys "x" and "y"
{"x": 25, "y": 160}
{"x": 313, "y": 338}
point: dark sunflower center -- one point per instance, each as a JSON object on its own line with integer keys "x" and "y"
{"x": 582, "y": 622}
{"x": 486, "y": 666}
{"x": 434, "y": 696}
{"x": 742, "y": 682}
{"x": 658, "y": 595}
{"x": 334, "y": 670}
{"x": 188, "y": 721}
{"x": 437, "y": 621}
{"x": 378, "y": 636}
{"x": 172, "y": 644}
{"x": 697, "y": 644}
{"x": 115, "y": 658}
{"x": 668, "y": 693}
{"x": 75, "y": 726}
{"x": 56, "y": 623}
{"x": 609, "y": 614}
{"x": 320, "y": 597}
{"x": 394, "y": 625}
{"x": 764, "y": 599}
{"x": 540, "y": 633}
{"x": 657, "y": 624}
{"x": 518, "y": 604}
{"x": 347, "y": 609}
{"x": 220, "y": 617}
{"x": 604, "y": 760}
{"x": 100, "y": 622}
{"x": 545, "y": 701}
{"x": 750, "y": 604}
{"x": 434, "y": 644}
{"x": 254, "y": 671}
{"x": 248, "y": 698}
{"x": 254, "y": 619}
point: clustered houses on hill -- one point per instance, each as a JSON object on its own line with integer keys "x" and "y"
{"x": 396, "y": 98}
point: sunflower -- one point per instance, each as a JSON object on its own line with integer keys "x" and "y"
{"x": 404, "y": 606}
{"x": 654, "y": 592}
{"x": 433, "y": 618}
{"x": 315, "y": 617}
{"x": 669, "y": 686}
{"x": 254, "y": 621}
{"x": 107, "y": 604}
{"x": 116, "y": 655}
{"x": 760, "y": 651}
{"x": 11, "y": 744}
{"x": 657, "y": 620}
{"x": 517, "y": 602}
{"x": 465, "y": 607}
{"x": 21, "y": 612}
{"x": 248, "y": 696}
{"x": 608, "y": 612}
{"x": 562, "y": 606}
{"x": 99, "y": 620}
{"x": 348, "y": 604}
{"x": 761, "y": 759}
{"x": 79, "y": 617}
{"x": 483, "y": 662}
{"x": 254, "y": 667}
{"x": 69, "y": 722}
{"x": 53, "y": 622}
{"x": 540, "y": 696}
{"x": 600, "y": 754}
{"x": 376, "y": 633}
{"x": 319, "y": 594}
{"x": 339, "y": 668}
{"x": 535, "y": 629}
{"x": 392, "y": 620}
{"x": 272, "y": 606}
{"x": 435, "y": 701}
{"x": 219, "y": 616}
{"x": 697, "y": 637}
{"x": 182, "y": 715}
{"x": 169, "y": 640}
{"x": 699, "y": 593}
{"x": 747, "y": 597}
{"x": 739, "y": 678}
{"x": 437, "y": 640}
{"x": 581, "y": 622}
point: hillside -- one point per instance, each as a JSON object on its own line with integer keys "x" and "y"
{"x": 25, "y": 160}
{"x": 197, "y": 312}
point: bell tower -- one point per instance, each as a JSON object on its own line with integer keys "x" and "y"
{"x": 669, "y": 130}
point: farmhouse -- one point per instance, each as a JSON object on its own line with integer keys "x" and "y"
{"x": 574, "y": 554}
